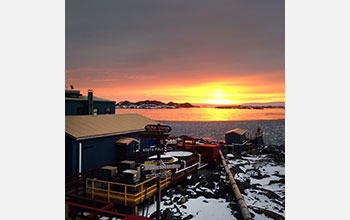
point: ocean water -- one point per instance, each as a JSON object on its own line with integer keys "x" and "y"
{"x": 207, "y": 114}
{"x": 214, "y": 123}
{"x": 273, "y": 130}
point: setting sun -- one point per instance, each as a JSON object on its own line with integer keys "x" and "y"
{"x": 219, "y": 98}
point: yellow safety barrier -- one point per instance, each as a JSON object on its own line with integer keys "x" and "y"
{"x": 126, "y": 193}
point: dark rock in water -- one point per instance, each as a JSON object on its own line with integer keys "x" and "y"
{"x": 206, "y": 195}
{"x": 182, "y": 200}
{"x": 278, "y": 157}
{"x": 177, "y": 209}
{"x": 268, "y": 193}
{"x": 206, "y": 173}
{"x": 243, "y": 185}
{"x": 194, "y": 195}
{"x": 179, "y": 189}
{"x": 268, "y": 213}
{"x": 282, "y": 180}
{"x": 169, "y": 193}
{"x": 191, "y": 193}
{"x": 253, "y": 151}
{"x": 168, "y": 202}
{"x": 277, "y": 174}
{"x": 215, "y": 177}
{"x": 222, "y": 189}
{"x": 209, "y": 195}
{"x": 176, "y": 198}
{"x": 255, "y": 185}
{"x": 183, "y": 206}
{"x": 188, "y": 217}
{"x": 167, "y": 215}
{"x": 218, "y": 168}
{"x": 236, "y": 156}
{"x": 236, "y": 169}
{"x": 256, "y": 174}
{"x": 205, "y": 201}
{"x": 272, "y": 195}
{"x": 279, "y": 203}
{"x": 194, "y": 179}
{"x": 209, "y": 184}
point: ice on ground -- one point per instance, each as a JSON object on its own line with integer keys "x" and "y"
{"x": 269, "y": 171}
{"x": 266, "y": 190}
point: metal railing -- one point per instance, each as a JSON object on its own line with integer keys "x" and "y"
{"x": 124, "y": 192}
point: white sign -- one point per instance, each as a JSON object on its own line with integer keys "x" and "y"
{"x": 153, "y": 149}
{"x": 159, "y": 167}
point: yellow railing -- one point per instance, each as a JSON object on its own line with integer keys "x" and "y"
{"x": 124, "y": 192}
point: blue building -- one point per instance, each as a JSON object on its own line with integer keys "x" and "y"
{"x": 237, "y": 138}
{"x": 77, "y": 104}
{"x": 92, "y": 141}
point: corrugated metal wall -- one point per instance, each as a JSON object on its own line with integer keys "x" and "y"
{"x": 234, "y": 138}
{"x": 97, "y": 152}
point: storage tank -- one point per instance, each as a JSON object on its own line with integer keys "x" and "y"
{"x": 181, "y": 155}
{"x": 166, "y": 159}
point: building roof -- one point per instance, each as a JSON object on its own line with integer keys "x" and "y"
{"x": 237, "y": 131}
{"x": 126, "y": 140}
{"x": 130, "y": 171}
{"x": 84, "y": 127}
{"x": 85, "y": 98}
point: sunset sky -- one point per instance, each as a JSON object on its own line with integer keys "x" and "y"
{"x": 199, "y": 51}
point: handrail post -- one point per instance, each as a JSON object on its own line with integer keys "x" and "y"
{"x": 125, "y": 199}
{"x": 199, "y": 161}
{"x": 92, "y": 188}
{"x": 141, "y": 189}
{"x": 109, "y": 189}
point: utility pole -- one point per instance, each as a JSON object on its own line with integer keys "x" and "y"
{"x": 158, "y": 188}
{"x": 157, "y": 132}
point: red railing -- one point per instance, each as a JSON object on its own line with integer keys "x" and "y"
{"x": 76, "y": 210}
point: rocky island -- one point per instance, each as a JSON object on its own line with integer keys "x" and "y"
{"x": 153, "y": 104}
{"x": 247, "y": 107}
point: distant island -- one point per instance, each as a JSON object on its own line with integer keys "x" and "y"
{"x": 153, "y": 104}
{"x": 248, "y": 107}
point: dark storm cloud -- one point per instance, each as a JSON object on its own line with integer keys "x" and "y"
{"x": 176, "y": 36}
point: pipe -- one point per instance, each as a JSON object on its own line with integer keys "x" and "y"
{"x": 90, "y": 102}
{"x": 241, "y": 203}
{"x": 80, "y": 156}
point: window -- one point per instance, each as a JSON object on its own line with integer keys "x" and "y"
{"x": 95, "y": 111}
{"x": 108, "y": 110}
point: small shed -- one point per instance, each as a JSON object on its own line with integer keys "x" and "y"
{"x": 130, "y": 145}
{"x": 235, "y": 136}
